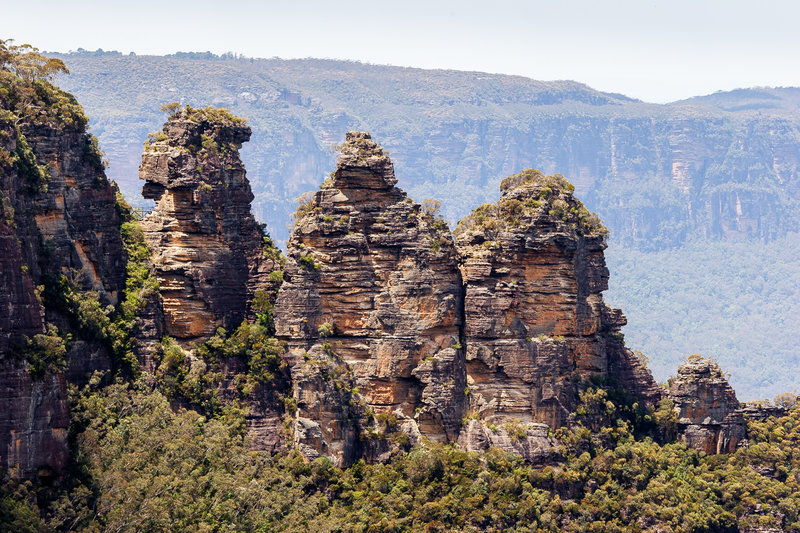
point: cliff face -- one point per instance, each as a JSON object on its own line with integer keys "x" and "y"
{"x": 535, "y": 320}
{"x": 499, "y": 329}
{"x": 58, "y": 226}
{"x": 372, "y": 279}
{"x": 710, "y": 418}
{"x": 207, "y": 252}
{"x": 34, "y": 416}
{"x": 206, "y": 244}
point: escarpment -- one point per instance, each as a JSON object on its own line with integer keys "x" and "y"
{"x": 61, "y": 248}
{"x": 206, "y": 244}
{"x": 372, "y": 281}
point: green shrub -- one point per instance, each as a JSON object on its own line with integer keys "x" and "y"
{"x": 45, "y": 353}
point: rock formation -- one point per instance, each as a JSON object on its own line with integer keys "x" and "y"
{"x": 709, "y": 415}
{"x": 394, "y": 330}
{"x": 535, "y": 321}
{"x": 209, "y": 254}
{"x": 58, "y": 224}
{"x": 372, "y": 279}
{"x": 206, "y": 244}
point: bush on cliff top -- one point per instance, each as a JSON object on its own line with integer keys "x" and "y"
{"x": 219, "y": 115}
{"x": 530, "y": 195}
{"x": 26, "y": 91}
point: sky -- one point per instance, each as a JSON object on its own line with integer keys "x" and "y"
{"x": 655, "y": 51}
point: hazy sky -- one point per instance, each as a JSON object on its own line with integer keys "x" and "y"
{"x": 656, "y": 51}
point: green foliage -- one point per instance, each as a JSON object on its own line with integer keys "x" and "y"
{"x": 305, "y": 205}
{"x": 308, "y": 262}
{"x": 263, "y": 306}
{"x": 154, "y": 469}
{"x": 171, "y": 109}
{"x": 739, "y": 297}
{"x": 528, "y": 196}
{"x": 26, "y": 91}
{"x": 25, "y": 62}
{"x": 253, "y": 345}
{"x": 18, "y": 508}
{"x": 45, "y": 353}
{"x": 219, "y": 115}
{"x": 140, "y": 286}
{"x": 325, "y": 330}
{"x": 82, "y": 307}
{"x": 36, "y": 176}
{"x": 145, "y": 466}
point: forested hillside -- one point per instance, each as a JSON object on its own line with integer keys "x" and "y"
{"x": 716, "y": 169}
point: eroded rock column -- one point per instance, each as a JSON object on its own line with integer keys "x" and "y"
{"x": 535, "y": 320}
{"x": 372, "y": 280}
{"x": 206, "y": 244}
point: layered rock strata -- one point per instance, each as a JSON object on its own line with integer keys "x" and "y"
{"x": 33, "y": 412}
{"x": 206, "y": 244}
{"x": 372, "y": 278}
{"x": 710, "y": 417}
{"x": 58, "y": 224}
{"x": 209, "y": 255}
{"x": 535, "y": 323}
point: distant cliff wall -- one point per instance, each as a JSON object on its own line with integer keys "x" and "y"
{"x": 723, "y": 166}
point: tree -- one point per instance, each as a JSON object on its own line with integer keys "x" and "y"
{"x": 26, "y": 62}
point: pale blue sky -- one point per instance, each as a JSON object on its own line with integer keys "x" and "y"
{"x": 656, "y": 51}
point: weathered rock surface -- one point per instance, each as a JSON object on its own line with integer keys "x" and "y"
{"x": 207, "y": 254}
{"x": 34, "y": 424}
{"x": 57, "y": 218}
{"x": 535, "y": 321}
{"x": 530, "y": 441}
{"x": 206, "y": 244}
{"x": 372, "y": 278}
{"x": 709, "y": 415}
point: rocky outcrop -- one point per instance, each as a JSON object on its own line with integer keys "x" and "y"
{"x": 534, "y": 318}
{"x": 372, "y": 278}
{"x": 709, "y": 415}
{"x": 530, "y": 441}
{"x": 58, "y": 225}
{"x": 210, "y": 257}
{"x": 501, "y": 333}
{"x": 206, "y": 244}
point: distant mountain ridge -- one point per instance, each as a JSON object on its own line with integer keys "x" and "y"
{"x": 658, "y": 174}
{"x": 754, "y": 99}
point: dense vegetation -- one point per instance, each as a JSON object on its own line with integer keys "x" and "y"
{"x": 140, "y": 465}
{"x": 735, "y": 300}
